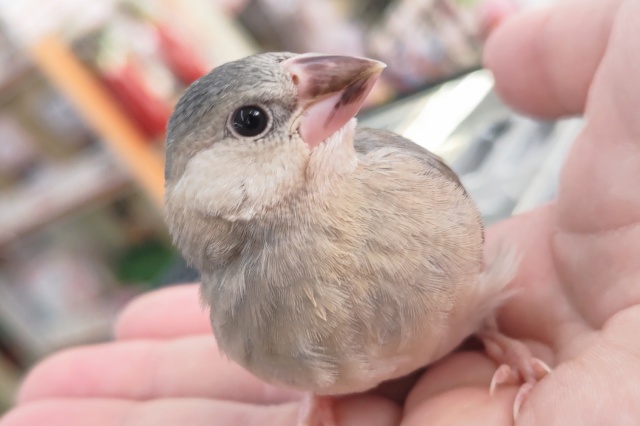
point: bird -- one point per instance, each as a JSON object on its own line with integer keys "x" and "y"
{"x": 332, "y": 257}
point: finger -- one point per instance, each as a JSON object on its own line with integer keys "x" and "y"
{"x": 545, "y": 60}
{"x": 169, "y": 412}
{"x": 606, "y": 157}
{"x": 539, "y": 304}
{"x": 188, "y": 367}
{"x": 596, "y": 385}
{"x": 354, "y": 411}
{"x": 164, "y": 314}
{"x": 464, "y": 406}
{"x": 463, "y": 369}
{"x": 462, "y": 381}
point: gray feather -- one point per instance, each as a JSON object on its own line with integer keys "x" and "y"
{"x": 367, "y": 140}
{"x": 341, "y": 279}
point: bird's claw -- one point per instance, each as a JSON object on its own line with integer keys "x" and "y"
{"x": 503, "y": 375}
{"x": 522, "y": 394}
{"x": 513, "y": 375}
{"x": 516, "y": 365}
{"x": 507, "y": 375}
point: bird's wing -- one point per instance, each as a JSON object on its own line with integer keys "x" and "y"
{"x": 368, "y": 140}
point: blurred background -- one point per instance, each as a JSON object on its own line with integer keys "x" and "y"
{"x": 86, "y": 88}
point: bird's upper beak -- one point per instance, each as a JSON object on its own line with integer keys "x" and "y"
{"x": 331, "y": 90}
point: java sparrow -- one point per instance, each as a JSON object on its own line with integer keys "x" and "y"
{"x": 332, "y": 257}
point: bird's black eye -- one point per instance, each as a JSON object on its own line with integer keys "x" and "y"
{"x": 249, "y": 121}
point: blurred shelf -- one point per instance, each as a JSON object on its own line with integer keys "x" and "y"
{"x": 12, "y": 77}
{"x": 37, "y": 334}
{"x": 508, "y": 163}
{"x": 58, "y": 191}
{"x": 46, "y": 303}
{"x": 97, "y": 106}
{"x": 47, "y": 33}
{"x": 9, "y": 379}
{"x": 431, "y": 116}
{"x": 543, "y": 186}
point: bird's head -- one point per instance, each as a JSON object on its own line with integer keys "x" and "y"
{"x": 256, "y": 131}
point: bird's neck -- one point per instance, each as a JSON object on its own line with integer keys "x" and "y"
{"x": 332, "y": 159}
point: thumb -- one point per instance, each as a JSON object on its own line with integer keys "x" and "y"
{"x": 544, "y": 60}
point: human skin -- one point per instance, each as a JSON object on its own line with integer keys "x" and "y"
{"x": 578, "y": 303}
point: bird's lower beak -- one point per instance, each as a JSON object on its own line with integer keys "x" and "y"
{"x": 331, "y": 90}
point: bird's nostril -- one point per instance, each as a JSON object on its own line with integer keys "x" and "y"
{"x": 295, "y": 79}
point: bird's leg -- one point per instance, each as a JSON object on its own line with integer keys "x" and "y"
{"x": 317, "y": 411}
{"x": 517, "y": 365}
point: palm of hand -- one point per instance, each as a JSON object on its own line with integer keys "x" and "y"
{"x": 579, "y": 306}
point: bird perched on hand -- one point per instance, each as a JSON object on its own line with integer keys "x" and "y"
{"x": 332, "y": 257}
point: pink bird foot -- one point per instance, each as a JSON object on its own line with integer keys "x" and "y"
{"x": 517, "y": 365}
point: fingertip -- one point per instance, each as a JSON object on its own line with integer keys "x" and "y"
{"x": 544, "y": 60}
{"x": 32, "y": 384}
{"x": 91, "y": 370}
{"x": 163, "y": 314}
{"x": 494, "y": 12}
{"x": 513, "y": 54}
{"x": 29, "y": 415}
{"x": 47, "y": 375}
{"x": 61, "y": 412}
{"x": 15, "y": 417}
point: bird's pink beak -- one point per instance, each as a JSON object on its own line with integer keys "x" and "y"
{"x": 331, "y": 90}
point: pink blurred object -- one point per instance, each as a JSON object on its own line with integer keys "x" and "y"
{"x": 150, "y": 112}
{"x": 179, "y": 56}
{"x": 493, "y": 12}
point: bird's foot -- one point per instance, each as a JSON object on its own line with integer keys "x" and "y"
{"x": 517, "y": 365}
{"x": 317, "y": 411}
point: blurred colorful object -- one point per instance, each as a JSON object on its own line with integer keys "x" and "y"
{"x": 128, "y": 84}
{"x": 145, "y": 264}
{"x": 427, "y": 40}
{"x": 179, "y": 56}
{"x": 145, "y": 62}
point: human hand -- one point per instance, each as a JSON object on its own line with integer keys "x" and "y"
{"x": 578, "y": 307}
{"x": 163, "y": 369}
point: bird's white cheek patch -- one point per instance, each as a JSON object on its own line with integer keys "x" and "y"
{"x": 238, "y": 183}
